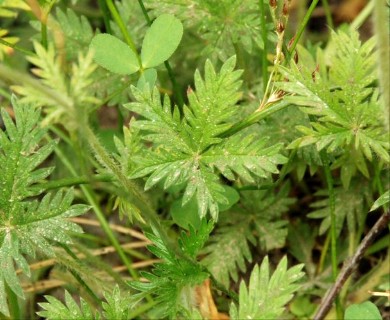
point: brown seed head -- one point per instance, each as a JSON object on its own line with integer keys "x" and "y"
{"x": 290, "y": 42}
{"x": 286, "y": 8}
{"x": 296, "y": 57}
{"x": 272, "y": 4}
{"x": 280, "y": 27}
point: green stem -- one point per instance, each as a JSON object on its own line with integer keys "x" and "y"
{"x": 175, "y": 85}
{"x": 135, "y": 195}
{"x": 44, "y": 34}
{"x": 13, "y": 303}
{"x": 16, "y": 77}
{"x": 145, "y": 12}
{"x": 362, "y": 16}
{"x": 324, "y": 251}
{"x": 17, "y": 48}
{"x": 106, "y": 15}
{"x": 328, "y": 14}
{"x": 302, "y": 27}
{"x": 222, "y": 288}
{"x": 255, "y": 117}
{"x": 264, "y": 61}
{"x": 68, "y": 182}
{"x": 100, "y": 215}
{"x": 140, "y": 310}
{"x": 5, "y": 94}
{"x": 77, "y": 276}
{"x": 381, "y": 27}
{"x": 333, "y": 233}
{"x": 115, "y": 14}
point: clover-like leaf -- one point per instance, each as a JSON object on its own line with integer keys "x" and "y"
{"x": 161, "y": 40}
{"x": 113, "y": 54}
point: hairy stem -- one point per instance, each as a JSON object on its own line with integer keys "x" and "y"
{"x": 16, "y": 77}
{"x": 350, "y": 265}
{"x": 78, "y": 278}
{"x": 100, "y": 216}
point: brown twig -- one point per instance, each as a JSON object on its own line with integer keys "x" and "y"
{"x": 350, "y": 265}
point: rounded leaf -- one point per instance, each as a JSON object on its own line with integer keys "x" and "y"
{"x": 113, "y": 54}
{"x": 232, "y": 197}
{"x": 184, "y": 215}
{"x": 161, "y": 40}
{"x": 366, "y": 310}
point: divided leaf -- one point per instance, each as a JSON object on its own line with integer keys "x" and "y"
{"x": 77, "y": 30}
{"x": 172, "y": 281}
{"x": 117, "y": 306}
{"x": 186, "y": 150}
{"x": 258, "y": 221}
{"x": 26, "y": 224}
{"x": 350, "y": 206}
{"x": 227, "y": 253}
{"x": 266, "y": 297}
{"x": 343, "y": 99}
{"x": 55, "y": 309}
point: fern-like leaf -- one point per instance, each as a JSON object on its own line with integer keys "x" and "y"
{"x": 55, "y": 309}
{"x": 77, "y": 31}
{"x": 185, "y": 152}
{"x": 345, "y": 101}
{"x": 266, "y": 296}
{"x": 66, "y": 100}
{"x": 172, "y": 281}
{"x": 350, "y": 205}
{"x": 252, "y": 222}
{"x": 27, "y": 225}
{"x": 228, "y": 252}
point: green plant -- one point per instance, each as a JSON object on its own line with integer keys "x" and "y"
{"x": 249, "y": 158}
